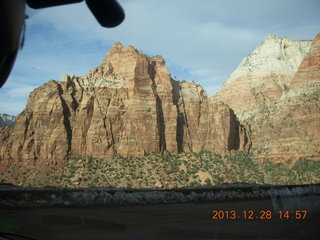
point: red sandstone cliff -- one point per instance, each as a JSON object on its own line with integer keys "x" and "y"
{"x": 129, "y": 105}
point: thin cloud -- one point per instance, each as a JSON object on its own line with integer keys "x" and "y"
{"x": 13, "y": 97}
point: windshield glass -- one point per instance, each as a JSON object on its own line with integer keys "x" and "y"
{"x": 182, "y": 93}
{"x": 189, "y": 120}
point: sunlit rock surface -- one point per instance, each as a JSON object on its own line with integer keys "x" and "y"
{"x": 275, "y": 94}
{"x": 128, "y": 106}
{"x": 262, "y": 76}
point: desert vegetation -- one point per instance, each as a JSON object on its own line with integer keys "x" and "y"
{"x": 167, "y": 171}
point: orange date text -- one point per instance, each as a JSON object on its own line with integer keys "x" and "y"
{"x": 258, "y": 214}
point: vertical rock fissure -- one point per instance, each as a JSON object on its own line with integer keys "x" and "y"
{"x": 74, "y": 103}
{"x": 199, "y": 115}
{"x": 238, "y": 133}
{"x": 87, "y": 123}
{"x": 180, "y": 121}
{"x": 111, "y": 131}
{"x": 159, "y": 111}
{"x": 179, "y": 131}
{"x": 244, "y": 137}
{"x": 185, "y": 121}
{"x": 199, "y": 109}
{"x": 66, "y": 121}
{"x": 161, "y": 124}
{"x": 81, "y": 90}
{"x": 232, "y": 132}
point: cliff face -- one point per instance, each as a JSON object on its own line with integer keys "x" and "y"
{"x": 261, "y": 78}
{"x": 275, "y": 94}
{"x": 294, "y": 125}
{"x": 128, "y": 106}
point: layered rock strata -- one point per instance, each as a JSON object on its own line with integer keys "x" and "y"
{"x": 275, "y": 94}
{"x": 129, "y": 106}
{"x": 293, "y": 128}
{"x": 261, "y": 77}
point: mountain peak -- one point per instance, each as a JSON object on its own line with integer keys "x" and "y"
{"x": 117, "y": 44}
{"x": 269, "y": 69}
{"x": 274, "y": 37}
{"x": 271, "y": 37}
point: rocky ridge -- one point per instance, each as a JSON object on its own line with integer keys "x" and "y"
{"x": 277, "y": 90}
{"x": 263, "y": 76}
{"x": 128, "y": 106}
{"x": 293, "y": 124}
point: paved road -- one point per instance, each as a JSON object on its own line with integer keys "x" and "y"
{"x": 171, "y": 221}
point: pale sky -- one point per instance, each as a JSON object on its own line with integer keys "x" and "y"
{"x": 202, "y": 41}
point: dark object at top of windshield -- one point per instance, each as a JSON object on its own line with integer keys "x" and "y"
{"x": 107, "y": 12}
{"x": 12, "y": 16}
{"x": 49, "y": 3}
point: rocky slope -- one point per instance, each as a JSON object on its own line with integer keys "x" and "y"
{"x": 128, "y": 106}
{"x": 261, "y": 77}
{"x": 292, "y": 127}
{"x": 7, "y": 120}
{"x": 277, "y": 90}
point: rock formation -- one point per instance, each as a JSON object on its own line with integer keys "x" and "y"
{"x": 262, "y": 76}
{"x": 292, "y": 129}
{"x": 129, "y": 106}
{"x": 277, "y": 91}
{"x": 7, "y": 120}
